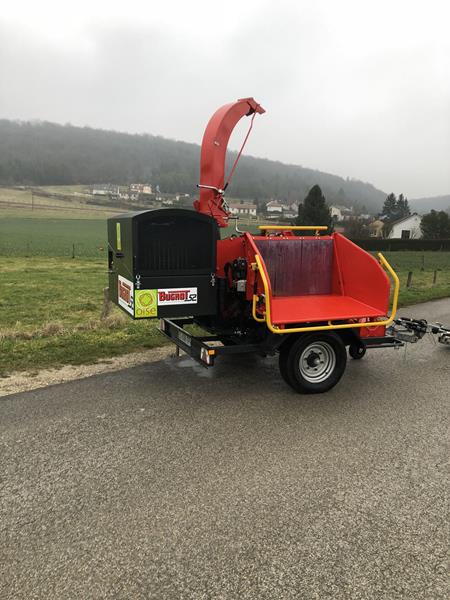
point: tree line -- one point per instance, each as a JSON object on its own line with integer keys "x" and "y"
{"x": 42, "y": 153}
{"x": 314, "y": 210}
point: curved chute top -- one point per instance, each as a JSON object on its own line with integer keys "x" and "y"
{"x": 213, "y": 153}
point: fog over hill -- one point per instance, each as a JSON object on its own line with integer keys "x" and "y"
{"x": 43, "y": 153}
{"x": 424, "y": 205}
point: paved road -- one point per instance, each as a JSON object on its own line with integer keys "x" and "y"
{"x": 170, "y": 481}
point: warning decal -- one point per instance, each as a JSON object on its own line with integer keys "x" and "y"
{"x": 125, "y": 294}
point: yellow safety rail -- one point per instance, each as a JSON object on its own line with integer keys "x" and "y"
{"x": 315, "y": 228}
{"x": 275, "y": 329}
{"x": 294, "y": 227}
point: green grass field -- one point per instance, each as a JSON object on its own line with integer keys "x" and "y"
{"x": 50, "y": 304}
{"x": 22, "y": 203}
{"x": 52, "y": 237}
{"x": 422, "y": 287}
{"x": 50, "y": 315}
{"x": 50, "y": 309}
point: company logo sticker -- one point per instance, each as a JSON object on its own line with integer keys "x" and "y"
{"x": 170, "y": 296}
{"x": 145, "y": 304}
{"x": 126, "y": 294}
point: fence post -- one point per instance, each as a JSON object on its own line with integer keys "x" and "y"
{"x": 434, "y": 277}
{"x": 423, "y": 263}
{"x": 409, "y": 280}
{"x": 107, "y": 304}
{"x": 73, "y": 250}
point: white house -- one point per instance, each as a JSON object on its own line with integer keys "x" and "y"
{"x": 406, "y": 228}
{"x": 274, "y": 207}
{"x": 105, "y": 189}
{"x": 141, "y": 188}
{"x": 336, "y": 213}
{"x": 243, "y": 209}
{"x": 127, "y": 194}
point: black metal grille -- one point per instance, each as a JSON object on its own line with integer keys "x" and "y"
{"x": 175, "y": 245}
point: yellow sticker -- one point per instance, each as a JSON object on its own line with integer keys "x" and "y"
{"x": 118, "y": 237}
{"x": 145, "y": 304}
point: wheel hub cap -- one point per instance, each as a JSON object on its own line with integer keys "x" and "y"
{"x": 317, "y": 362}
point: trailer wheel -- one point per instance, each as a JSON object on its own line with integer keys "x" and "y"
{"x": 356, "y": 351}
{"x": 314, "y": 363}
{"x": 283, "y": 359}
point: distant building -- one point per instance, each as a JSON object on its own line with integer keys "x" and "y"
{"x": 406, "y": 228}
{"x": 243, "y": 209}
{"x": 127, "y": 194}
{"x": 336, "y": 213}
{"x": 347, "y": 213}
{"x": 376, "y": 228}
{"x": 341, "y": 213}
{"x": 274, "y": 207}
{"x": 141, "y": 188}
{"x": 105, "y": 189}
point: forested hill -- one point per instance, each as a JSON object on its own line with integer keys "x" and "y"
{"x": 42, "y": 153}
{"x": 424, "y": 205}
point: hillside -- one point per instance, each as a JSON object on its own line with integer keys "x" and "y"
{"x": 424, "y": 205}
{"x": 42, "y": 153}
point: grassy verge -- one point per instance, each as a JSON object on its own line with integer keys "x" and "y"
{"x": 50, "y": 315}
{"x": 74, "y": 347}
{"x": 50, "y": 309}
{"x": 422, "y": 288}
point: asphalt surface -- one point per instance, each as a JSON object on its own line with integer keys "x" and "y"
{"x": 169, "y": 481}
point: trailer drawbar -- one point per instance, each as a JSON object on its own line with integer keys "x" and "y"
{"x": 304, "y": 297}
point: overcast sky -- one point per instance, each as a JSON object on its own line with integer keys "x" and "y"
{"x": 359, "y": 89}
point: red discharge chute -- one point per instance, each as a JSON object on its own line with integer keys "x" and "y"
{"x": 213, "y": 154}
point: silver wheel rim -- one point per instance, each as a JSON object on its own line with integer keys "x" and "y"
{"x": 317, "y": 362}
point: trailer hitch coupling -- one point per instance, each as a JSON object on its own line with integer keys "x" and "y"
{"x": 413, "y": 330}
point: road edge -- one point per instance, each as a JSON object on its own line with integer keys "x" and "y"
{"x": 22, "y": 381}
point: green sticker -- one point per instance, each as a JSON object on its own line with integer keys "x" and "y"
{"x": 145, "y": 304}
{"x": 118, "y": 238}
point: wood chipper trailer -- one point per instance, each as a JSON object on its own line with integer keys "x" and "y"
{"x": 305, "y": 297}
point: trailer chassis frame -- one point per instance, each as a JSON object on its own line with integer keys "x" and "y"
{"x": 205, "y": 348}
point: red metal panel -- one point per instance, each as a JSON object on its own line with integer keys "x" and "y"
{"x": 320, "y": 308}
{"x": 349, "y": 267}
{"x": 363, "y": 277}
{"x": 297, "y": 265}
{"x": 379, "y": 331}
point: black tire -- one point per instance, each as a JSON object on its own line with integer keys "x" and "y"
{"x": 282, "y": 364}
{"x": 357, "y": 351}
{"x": 314, "y": 363}
{"x": 283, "y": 357}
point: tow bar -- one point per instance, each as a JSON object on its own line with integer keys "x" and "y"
{"x": 410, "y": 330}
